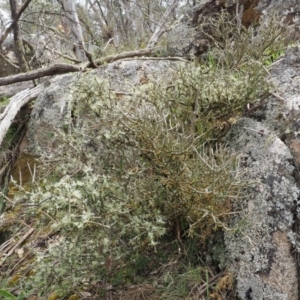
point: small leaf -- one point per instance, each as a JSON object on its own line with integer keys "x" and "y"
{"x": 7, "y": 295}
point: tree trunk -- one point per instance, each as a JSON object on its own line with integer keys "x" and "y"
{"x": 75, "y": 28}
{"x": 15, "y": 20}
{"x": 18, "y": 42}
{"x": 161, "y": 25}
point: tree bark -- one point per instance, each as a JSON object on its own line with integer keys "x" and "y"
{"x": 75, "y": 27}
{"x": 53, "y": 70}
{"x": 18, "y": 42}
{"x": 161, "y": 25}
{"x": 15, "y": 20}
{"x": 65, "y": 68}
{"x": 16, "y": 102}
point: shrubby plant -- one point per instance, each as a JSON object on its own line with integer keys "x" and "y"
{"x": 139, "y": 171}
{"x": 237, "y": 47}
{"x": 145, "y": 175}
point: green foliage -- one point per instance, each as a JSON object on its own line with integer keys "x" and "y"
{"x": 241, "y": 48}
{"x": 6, "y": 295}
{"x": 272, "y": 56}
{"x": 183, "y": 285}
{"x": 220, "y": 95}
{"x": 4, "y": 101}
{"x": 10, "y": 134}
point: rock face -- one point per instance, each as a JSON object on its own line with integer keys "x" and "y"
{"x": 263, "y": 254}
{"x": 53, "y": 108}
{"x": 260, "y": 253}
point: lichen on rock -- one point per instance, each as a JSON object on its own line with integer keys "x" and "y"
{"x": 264, "y": 253}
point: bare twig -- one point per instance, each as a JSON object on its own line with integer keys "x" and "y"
{"x": 260, "y": 132}
{"x": 278, "y": 97}
{"x": 203, "y": 287}
{"x": 111, "y": 58}
{"x": 11, "y": 272}
{"x": 9, "y": 61}
{"x": 27, "y": 234}
{"x": 15, "y": 20}
{"x": 6, "y": 245}
{"x": 104, "y": 48}
{"x": 63, "y": 55}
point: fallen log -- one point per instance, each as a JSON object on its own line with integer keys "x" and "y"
{"x": 7, "y": 91}
{"x": 16, "y": 102}
{"x": 48, "y": 71}
{"x": 58, "y": 69}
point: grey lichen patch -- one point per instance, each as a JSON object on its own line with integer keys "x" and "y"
{"x": 283, "y": 271}
{"x": 258, "y": 290}
{"x": 281, "y": 280}
{"x": 180, "y": 42}
{"x": 267, "y": 211}
{"x": 261, "y": 253}
{"x": 52, "y": 110}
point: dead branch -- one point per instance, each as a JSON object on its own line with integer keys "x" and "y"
{"x": 90, "y": 58}
{"x": 15, "y": 20}
{"x": 16, "y": 102}
{"x": 52, "y": 70}
{"x": 66, "y": 68}
{"x": 170, "y": 58}
{"x": 111, "y": 58}
{"x": 29, "y": 233}
{"x": 7, "y": 91}
{"x": 9, "y": 61}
